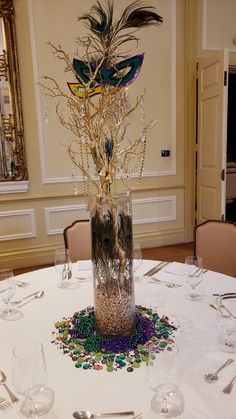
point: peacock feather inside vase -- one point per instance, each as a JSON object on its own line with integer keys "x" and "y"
{"x": 112, "y": 249}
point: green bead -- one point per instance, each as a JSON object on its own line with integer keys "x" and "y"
{"x": 78, "y": 364}
{"x": 61, "y": 329}
{"x": 122, "y": 363}
{"x": 77, "y": 352}
{"x": 136, "y": 364}
{"x": 110, "y": 368}
{"x": 109, "y": 364}
{"x": 138, "y": 360}
{"x": 162, "y": 344}
{"x": 71, "y": 344}
{"x": 98, "y": 354}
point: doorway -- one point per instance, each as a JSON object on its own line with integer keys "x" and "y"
{"x": 231, "y": 147}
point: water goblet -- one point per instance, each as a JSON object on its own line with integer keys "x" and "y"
{"x": 137, "y": 260}
{"x": 194, "y": 273}
{"x": 164, "y": 379}
{"x": 226, "y": 321}
{"x": 7, "y": 290}
{"x": 30, "y": 378}
{"x": 63, "y": 267}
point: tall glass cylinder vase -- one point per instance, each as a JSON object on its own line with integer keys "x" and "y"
{"x": 111, "y": 229}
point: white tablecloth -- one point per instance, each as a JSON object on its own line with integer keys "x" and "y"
{"x": 102, "y": 391}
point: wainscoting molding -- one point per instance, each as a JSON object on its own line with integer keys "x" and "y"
{"x": 57, "y": 218}
{"x": 14, "y": 186}
{"x": 145, "y": 211}
{"x": 154, "y": 210}
{"x": 17, "y": 224}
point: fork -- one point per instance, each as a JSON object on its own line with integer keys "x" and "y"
{"x": 4, "y": 404}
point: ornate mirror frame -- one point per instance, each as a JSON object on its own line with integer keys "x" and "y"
{"x": 12, "y": 150}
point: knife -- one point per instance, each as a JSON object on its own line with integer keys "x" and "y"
{"x": 160, "y": 267}
{"x": 150, "y": 272}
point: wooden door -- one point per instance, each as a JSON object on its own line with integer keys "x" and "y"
{"x": 212, "y": 136}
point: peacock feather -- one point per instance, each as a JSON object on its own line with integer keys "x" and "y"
{"x": 107, "y": 34}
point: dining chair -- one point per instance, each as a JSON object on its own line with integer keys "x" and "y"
{"x": 77, "y": 238}
{"x": 215, "y": 242}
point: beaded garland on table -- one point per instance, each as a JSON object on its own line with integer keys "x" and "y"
{"x": 77, "y": 338}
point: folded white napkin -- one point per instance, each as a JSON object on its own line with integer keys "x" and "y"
{"x": 84, "y": 265}
{"x": 175, "y": 268}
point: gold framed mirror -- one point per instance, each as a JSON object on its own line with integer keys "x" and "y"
{"x": 12, "y": 151}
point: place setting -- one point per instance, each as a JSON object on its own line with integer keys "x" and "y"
{"x": 83, "y": 270}
{"x": 149, "y": 276}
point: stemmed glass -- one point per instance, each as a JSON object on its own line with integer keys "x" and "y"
{"x": 194, "y": 273}
{"x": 30, "y": 378}
{"x": 63, "y": 267}
{"x": 137, "y": 260}
{"x": 226, "y": 320}
{"x": 7, "y": 290}
{"x": 164, "y": 379}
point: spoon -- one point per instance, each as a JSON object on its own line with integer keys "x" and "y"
{"x": 21, "y": 284}
{"x": 24, "y": 298}
{"x": 36, "y": 296}
{"x": 86, "y": 414}
{"x": 167, "y": 284}
{"x": 211, "y": 377}
{"x": 3, "y": 379}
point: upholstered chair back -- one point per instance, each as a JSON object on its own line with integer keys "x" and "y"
{"x": 77, "y": 238}
{"x": 215, "y": 242}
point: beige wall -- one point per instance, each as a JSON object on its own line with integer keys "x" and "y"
{"x": 31, "y": 223}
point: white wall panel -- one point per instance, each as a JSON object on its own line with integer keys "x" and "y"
{"x": 153, "y": 210}
{"x": 18, "y": 224}
{"x": 218, "y": 24}
{"x": 57, "y": 218}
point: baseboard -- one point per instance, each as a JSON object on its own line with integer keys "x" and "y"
{"x": 155, "y": 239}
{"x": 25, "y": 258}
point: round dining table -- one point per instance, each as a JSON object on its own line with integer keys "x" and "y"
{"x": 116, "y": 391}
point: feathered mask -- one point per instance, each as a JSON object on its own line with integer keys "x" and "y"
{"x": 102, "y": 66}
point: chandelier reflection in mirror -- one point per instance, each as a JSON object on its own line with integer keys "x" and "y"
{"x": 12, "y": 151}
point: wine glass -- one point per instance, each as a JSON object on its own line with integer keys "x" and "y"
{"x": 63, "y": 267}
{"x": 194, "y": 273}
{"x": 137, "y": 260}
{"x": 226, "y": 320}
{"x": 164, "y": 379}
{"x": 7, "y": 290}
{"x": 30, "y": 378}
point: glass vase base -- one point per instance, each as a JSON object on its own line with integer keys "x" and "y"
{"x": 68, "y": 285}
{"x": 226, "y": 345}
{"x": 193, "y": 297}
{"x": 11, "y": 315}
